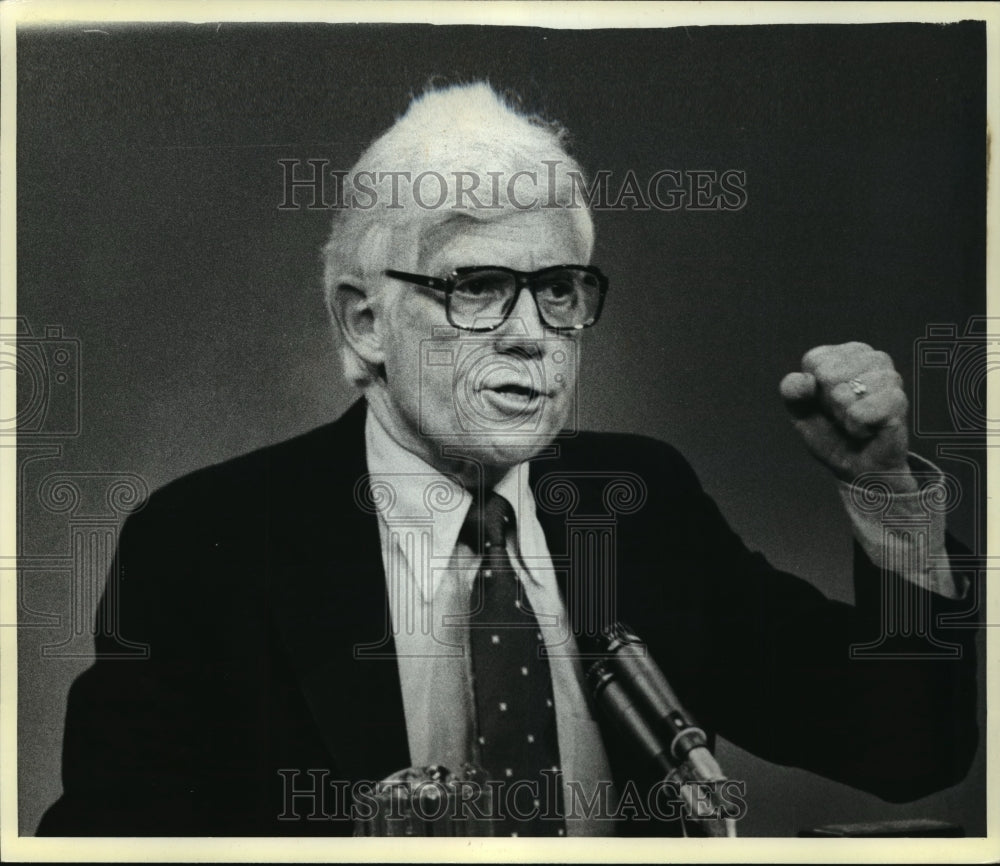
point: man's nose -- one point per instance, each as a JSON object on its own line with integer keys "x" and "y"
{"x": 523, "y": 327}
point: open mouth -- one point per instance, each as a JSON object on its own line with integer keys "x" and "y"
{"x": 512, "y": 389}
{"x": 511, "y": 400}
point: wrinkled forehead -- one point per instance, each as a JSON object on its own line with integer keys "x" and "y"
{"x": 525, "y": 240}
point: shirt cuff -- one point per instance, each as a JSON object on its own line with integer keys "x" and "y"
{"x": 917, "y": 556}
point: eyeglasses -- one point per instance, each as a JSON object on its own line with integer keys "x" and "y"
{"x": 567, "y": 297}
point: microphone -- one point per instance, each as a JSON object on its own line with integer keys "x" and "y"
{"x": 614, "y": 699}
{"x": 629, "y": 686}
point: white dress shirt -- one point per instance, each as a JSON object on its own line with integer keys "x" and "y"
{"x": 430, "y": 575}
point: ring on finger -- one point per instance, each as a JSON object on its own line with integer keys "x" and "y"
{"x": 858, "y": 387}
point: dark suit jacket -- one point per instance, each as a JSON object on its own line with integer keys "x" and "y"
{"x": 254, "y": 583}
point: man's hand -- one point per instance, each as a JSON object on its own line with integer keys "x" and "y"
{"x": 848, "y": 404}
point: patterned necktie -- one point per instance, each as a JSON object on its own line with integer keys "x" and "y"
{"x": 515, "y": 708}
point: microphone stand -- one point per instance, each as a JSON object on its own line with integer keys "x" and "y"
{"x": 630, "y": 688}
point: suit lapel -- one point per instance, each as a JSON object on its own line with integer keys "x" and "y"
{"x": 551, "y": 475}
{"x": 330, "y": 602}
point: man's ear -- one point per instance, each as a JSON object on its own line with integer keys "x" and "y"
{"x": 352, "y": 305}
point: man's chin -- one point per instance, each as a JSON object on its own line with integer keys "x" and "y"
{"x": 496, "y": 452}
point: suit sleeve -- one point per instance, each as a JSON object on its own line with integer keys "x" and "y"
{"x": 880, "y": 695}
{"x": 130, "y": 753}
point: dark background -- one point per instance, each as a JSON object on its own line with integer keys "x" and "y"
{"x": 149, "y": 229}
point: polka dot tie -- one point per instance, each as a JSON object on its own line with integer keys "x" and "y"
{"x": 515, "y": 708}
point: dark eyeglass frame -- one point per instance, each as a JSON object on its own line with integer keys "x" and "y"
{"x": 522, "y": 280}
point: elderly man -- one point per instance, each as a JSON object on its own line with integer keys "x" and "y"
{"x": 417, "y": 583}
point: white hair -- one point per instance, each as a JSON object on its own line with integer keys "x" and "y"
{"x": 466, "y": 134}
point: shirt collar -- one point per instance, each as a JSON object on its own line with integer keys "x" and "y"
{"x": 410, "y": 495}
